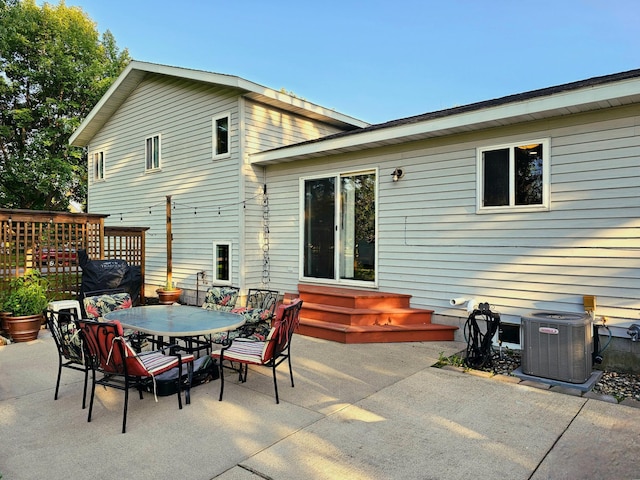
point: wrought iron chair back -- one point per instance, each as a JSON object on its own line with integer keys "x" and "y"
{"x": 65, "y": 330}
{"x": 122, "y": 367}
{"x": 270, "y": 353}
{"x": 264, "y": 299}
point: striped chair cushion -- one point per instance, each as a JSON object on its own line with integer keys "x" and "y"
{"x": 243, "y": 351}
{"x": 145, "y": 364}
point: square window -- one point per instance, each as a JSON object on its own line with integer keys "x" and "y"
{"x": 221, "y": 135}
{"x": 152, "y": 152}
{"x": 514, "y": 177}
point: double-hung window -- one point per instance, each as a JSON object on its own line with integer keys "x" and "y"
{"x": 513, "y": 177}
{"x": 221, "y": 135}
{"x": 98, "y": 166}
{"x": 152, "y": 152}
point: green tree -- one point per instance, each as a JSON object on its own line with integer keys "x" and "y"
{"x": 54, "y": 67}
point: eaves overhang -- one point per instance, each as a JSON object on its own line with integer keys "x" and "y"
{"x": 136, "y": 72}
{"x": 588, "y": 95}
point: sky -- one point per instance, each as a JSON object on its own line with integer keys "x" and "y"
{"x": 382, "y": 60}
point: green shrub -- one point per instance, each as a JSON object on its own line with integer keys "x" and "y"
{"x": 27, "y": 294}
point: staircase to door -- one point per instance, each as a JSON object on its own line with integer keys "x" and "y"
{"x": 361, "y": 316}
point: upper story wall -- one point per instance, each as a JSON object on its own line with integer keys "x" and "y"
{"x": 215, "y": 199}
{"x": 268, "y": 128}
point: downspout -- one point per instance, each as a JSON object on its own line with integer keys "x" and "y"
{"x": 242, "y": 274}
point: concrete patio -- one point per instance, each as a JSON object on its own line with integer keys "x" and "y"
{"x": 366, "y": 411}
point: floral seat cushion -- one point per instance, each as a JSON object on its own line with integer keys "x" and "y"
{"x": 99, "y": 305}
{"x": 221, "y": 298}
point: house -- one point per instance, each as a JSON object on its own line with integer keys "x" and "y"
{"x": 528, "y": 202}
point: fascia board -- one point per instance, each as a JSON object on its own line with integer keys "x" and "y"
{"x": 470, "y": 120}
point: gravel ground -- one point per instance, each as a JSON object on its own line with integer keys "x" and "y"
{"x": 617, "y": 384}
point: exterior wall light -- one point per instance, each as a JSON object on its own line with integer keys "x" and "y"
{"x": 397, "y": 174}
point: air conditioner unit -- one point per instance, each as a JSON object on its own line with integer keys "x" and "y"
{"x": 558, "y": 346}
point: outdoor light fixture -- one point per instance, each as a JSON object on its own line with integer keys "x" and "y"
{"x": 397, "y": 174}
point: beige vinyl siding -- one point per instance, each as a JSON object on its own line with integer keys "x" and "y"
{"x": 267, "y": 128}
{"x": 181, "y": 113}
{"x": 434, "y": 246}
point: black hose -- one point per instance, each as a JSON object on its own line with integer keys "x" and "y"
{"x": 479, "y": 350}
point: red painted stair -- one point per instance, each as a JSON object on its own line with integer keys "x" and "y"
{"x": 350, "y": 315}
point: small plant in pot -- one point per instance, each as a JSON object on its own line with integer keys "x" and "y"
{"x": 168, "y": 294}
{"x": 26, "y": 300}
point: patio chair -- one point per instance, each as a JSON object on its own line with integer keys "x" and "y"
{"x": 65, "y": 331}
{"x": 270, "y": 352}
{"x": 258, "y": 312}
{"x": 97, "y": 304}
{"x": 121, "y": 367}
{"x": 221, "y": 298}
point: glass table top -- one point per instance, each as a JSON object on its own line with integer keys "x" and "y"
{"x": 176, "y": 320}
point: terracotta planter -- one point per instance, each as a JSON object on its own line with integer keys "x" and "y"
{"x": 24, "y": 329}
{"x": 168, "y": 297}
{"x": 4, "y": 326}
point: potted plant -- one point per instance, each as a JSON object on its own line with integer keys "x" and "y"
{"x": 26, "y": 300}
{"x": 168, "y": 294}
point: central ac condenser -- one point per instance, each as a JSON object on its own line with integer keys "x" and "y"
{"x": 558, "y": 346}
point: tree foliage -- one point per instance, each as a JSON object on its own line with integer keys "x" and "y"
{"x": 55, "y": 67}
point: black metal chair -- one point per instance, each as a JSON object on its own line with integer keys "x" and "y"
{"x": 122, "y": 367}
{"x": 270, "y": 352}
{"x": 259, "y": 309}
{"x": 65, "y": 330}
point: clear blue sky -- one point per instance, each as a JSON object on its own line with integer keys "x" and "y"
{"x": 382, "y": 60}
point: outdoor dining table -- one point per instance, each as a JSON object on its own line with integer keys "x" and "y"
{"x": 176, "y": 321}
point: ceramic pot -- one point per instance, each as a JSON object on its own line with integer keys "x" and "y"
{"x": 168, "y": 297}
{"x": 4, "y": 326}
{"x": 24, "y": 329}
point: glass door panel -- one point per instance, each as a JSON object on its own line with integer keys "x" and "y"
{"x": 358, "y": 227}
{"x": 319, "y": 228}
{"x": 340, "y": 227}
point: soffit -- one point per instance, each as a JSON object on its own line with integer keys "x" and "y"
{"x": 136, "y": 71}
{"x": 578, "y": 97}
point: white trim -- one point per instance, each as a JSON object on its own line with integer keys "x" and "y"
{"x": 159, "y": 167}
{"x": 135, "y": 72}
{"x": 336, "y": 280}
{"x": 94, "y": 167}
{"x": 511, "y": 208}
{"x": 214, "y": 136}
{"x": 584, "y": 99}
{"x": 215, "y": 279}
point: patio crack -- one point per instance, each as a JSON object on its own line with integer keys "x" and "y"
{"x": 544, "y": 457}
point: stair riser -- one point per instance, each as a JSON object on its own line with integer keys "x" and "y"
{"x": 370, "y": 318}
{"x": 350, "y": 302}
{"x": 376, "y": 337}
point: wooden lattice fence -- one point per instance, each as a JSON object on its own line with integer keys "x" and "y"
{"x": 50, "y": 242}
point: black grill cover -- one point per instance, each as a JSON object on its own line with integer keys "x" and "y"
{"x": 116, "y": 274}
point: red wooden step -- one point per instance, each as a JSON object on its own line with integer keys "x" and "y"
{"x": 349, "y": 315}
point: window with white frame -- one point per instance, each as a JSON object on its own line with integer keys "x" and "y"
{"x": 513, "y": 177}
{"x": 152, "y": 152}
{"x": 98, "y": 166}
{"x": 221, "y": 135}
{"x": 222, "y": 263}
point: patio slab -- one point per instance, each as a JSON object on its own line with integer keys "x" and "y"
{"x": 366, "y": 411}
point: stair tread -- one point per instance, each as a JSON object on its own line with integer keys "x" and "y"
{"x": 338, "y": 309}
{"x": 366, "y": 328}
{"x": 347, "y": 292}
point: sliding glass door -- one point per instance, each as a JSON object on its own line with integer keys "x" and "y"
{"x": 339, "y": 228}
